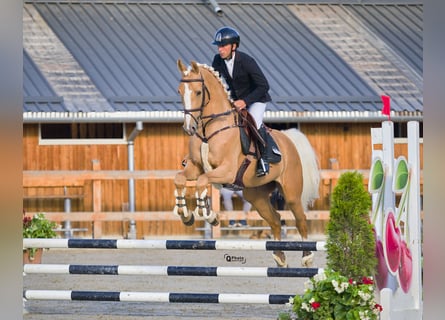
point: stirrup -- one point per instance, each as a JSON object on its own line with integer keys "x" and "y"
{"x": 262, "y": 168}
{"x": 260, "y": 173}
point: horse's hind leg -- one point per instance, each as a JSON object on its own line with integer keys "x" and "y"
{"x": 259, "y": 197}
{"x": 294, "y": 204}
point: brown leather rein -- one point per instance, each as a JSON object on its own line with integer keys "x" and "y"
{"x": 210, "y": 117}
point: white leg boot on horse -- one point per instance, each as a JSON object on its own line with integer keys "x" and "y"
{"x": 180, "y": 208}
{"x": 203, "y": 208}
{"x": 180, "y": 180}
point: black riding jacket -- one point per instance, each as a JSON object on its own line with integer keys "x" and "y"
{"x": 248, "y": 82}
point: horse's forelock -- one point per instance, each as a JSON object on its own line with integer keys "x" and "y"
{"x": 187, "y": 72}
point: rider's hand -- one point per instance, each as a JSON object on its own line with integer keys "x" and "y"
{"x": 239, "y": 104}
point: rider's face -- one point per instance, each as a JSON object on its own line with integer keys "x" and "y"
{"x": 225, "y": 51}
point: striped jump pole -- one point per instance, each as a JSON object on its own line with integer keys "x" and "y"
{"x": 171, "y": 270}
{"x": 176, "y": 244}
{"x": 156, "y": 297}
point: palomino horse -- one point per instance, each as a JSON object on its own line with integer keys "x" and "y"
{"x": 215, "y": 157}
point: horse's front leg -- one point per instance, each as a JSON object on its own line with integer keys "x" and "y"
{"x": 190, "y": 172}
{"x": 223, "y": 173}
{"x": 180, "y": 208}
{"x": 203, "y": 207}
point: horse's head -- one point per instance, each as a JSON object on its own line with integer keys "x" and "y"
{"x": 194, "y": 95}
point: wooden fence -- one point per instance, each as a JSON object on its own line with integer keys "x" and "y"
{"x": 67, "y": 179}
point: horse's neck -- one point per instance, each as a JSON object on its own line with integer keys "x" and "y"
{"x": 219, "y": 99}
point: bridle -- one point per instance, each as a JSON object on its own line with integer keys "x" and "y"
{"x": 201, "y": 118}
{"x": 204, "y": 91}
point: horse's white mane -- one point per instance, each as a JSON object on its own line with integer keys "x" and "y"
{"x": 217, "y": 75}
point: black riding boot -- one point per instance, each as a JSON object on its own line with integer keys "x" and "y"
{"x": 262, "y": 164}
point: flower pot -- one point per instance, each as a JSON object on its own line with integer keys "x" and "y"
{"x": 35, "y": 258}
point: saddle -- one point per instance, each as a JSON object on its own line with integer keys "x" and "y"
{"x": 250, "y": 136}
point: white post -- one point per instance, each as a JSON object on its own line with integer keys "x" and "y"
{"x": 388, "y": 194}
{"x": 385, "y": 301}
{"x": 388, "y": 162}
{"x": 414, "y": 218}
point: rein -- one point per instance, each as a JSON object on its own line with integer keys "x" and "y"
{"x": 211, "y": 117}
{"x": 215, "y": 116}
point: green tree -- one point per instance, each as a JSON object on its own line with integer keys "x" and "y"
{"x": 350, "y": 241}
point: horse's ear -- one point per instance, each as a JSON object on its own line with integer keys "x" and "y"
{"x": 195, "y": 67}
{"x": 181, "y": 66}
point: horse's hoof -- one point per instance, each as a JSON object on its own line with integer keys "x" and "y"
{"x": 214, "y": 222}
{"x": 197, "y": 212}
{"x": 189, "y": 221}
{"x": 308, "y": 259}
{"x": 280, "y": 259}
{"x": 212, "y": 218}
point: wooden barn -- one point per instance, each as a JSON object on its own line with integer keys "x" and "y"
{"x": 102, "y": 120}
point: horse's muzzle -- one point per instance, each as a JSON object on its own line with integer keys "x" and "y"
{"x": 189, "y": 130}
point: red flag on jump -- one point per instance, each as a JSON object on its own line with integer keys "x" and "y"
{"x": 386, "y": 105}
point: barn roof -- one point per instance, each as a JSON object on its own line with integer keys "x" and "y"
{"x": 39, "y": 96}
{"x": 116, "y": 60}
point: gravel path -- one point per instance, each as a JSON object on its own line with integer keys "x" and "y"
{"x": 88, "y": 310}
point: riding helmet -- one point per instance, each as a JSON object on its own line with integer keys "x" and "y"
{"x": 226, "y": 35}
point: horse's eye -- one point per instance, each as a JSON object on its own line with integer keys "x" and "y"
{"x": 198, "y": 93}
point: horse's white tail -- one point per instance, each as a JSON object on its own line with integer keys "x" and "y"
{"x": 309, "y": 161}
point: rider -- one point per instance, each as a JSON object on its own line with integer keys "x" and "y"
{"x": 247, "y": 83}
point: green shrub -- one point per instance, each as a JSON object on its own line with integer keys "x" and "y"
{"x": 345, "y": 290}
{"x": 350, "y": 241}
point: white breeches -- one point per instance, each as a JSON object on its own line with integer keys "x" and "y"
{"x": 257, "y": 110}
